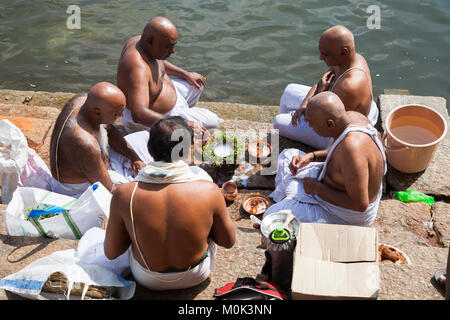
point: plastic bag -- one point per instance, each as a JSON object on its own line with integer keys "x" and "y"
{"x": 19, "y": 164}
{"x": 62, "y": 275}
{"x": 78, "y": 216}
{"x": 413, "y": 196}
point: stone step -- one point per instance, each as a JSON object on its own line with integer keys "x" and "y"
{"x": 225, "y": 110}
{"x": 412, "y": 223}
{"x": 408, "y": 282}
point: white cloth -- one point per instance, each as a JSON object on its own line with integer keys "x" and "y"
{"x": 91, "y": 251}
{"x": 174, "y": 280}
{"x": 292, "y": 98}
{"x": 290, "y": 195}
{"x": 187, "y": 97}
{"x": 22, "y": 166}
{"x": 171, "y": 172}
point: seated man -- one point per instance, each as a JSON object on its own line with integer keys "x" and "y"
{"x": 172, "y": 231}
{"x": 341, "y": 185}
{"x": 348, "y": 76}
{"x": 79, "y": 154}
{"x": 143, "y": 75}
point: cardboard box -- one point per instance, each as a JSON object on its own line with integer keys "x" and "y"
{"x": 335, "y": 262}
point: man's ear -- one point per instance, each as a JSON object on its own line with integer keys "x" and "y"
{"x": 330, "y": 123}
{"x": 345, "y": 51}
{"x": 98, "y": 113}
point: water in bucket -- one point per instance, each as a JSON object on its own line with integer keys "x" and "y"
{"x": 415, "y": 130}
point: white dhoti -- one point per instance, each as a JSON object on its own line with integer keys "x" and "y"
{"x": 290, "y": 195}
{"x": 292, "y": 98}
{"x": 187, "y": 97}
{"x": 174, "y": 280}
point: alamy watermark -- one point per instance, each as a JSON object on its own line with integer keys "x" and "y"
{"x": 74, "y": 20}
{"x": 374, "y": 21}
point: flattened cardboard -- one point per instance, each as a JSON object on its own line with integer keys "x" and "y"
{"x": 335, "y": 262}
{"x": 337, "y": 243}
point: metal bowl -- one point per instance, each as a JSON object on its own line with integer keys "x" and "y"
{"x": 255, "y": 204}
{"x": 273, "y": 220}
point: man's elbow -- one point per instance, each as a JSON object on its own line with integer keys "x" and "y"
{"x": 362, "y": 206}
{"x": 109, "y": 253}
{"x": 229, "y": 243}
{"x": 138, "y": 116}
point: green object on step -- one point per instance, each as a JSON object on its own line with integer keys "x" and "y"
{"x": 413, "y": 196}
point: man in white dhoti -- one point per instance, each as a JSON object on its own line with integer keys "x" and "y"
{"x": 84, "y": 141}
{"x": 348, "y": 76}
{"x": 339, "y": 185}
{"x": 143, "y": 75}
{"x": 170, "y": 231}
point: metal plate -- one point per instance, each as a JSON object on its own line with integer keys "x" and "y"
{"x": 273, "y": 220}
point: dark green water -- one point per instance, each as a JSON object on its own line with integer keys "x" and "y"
{"x": 248, "y": 50}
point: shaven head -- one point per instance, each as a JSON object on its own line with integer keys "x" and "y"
{"x": 335, "y": 44}
{"x": 326, "y": 113}
{"x": 105, "y": 102}
{"x": 158, "y": 25}
{"x": 159, "y": 38}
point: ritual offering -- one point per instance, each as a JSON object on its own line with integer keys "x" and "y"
{"x": 229, "y": 190}
{"x": 256, "y": 204}
{"x": 222, "y": 150}
{"x": 260, "y": 149}
{"x": 388, "y": 253}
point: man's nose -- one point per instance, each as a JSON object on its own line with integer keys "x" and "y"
{"x": 172, "y": 51}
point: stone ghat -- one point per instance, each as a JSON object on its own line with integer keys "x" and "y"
{"x": 421, "y": 232}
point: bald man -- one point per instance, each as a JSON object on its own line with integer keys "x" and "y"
{"x": 340, "y": 185}
{"x": 79, "y": 153}
{"x": 143, "y": 75}
{"x": 348, "y": 76}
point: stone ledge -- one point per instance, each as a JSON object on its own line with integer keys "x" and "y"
{"x": 407, "y": 282}
{"x": 441, "y": 222}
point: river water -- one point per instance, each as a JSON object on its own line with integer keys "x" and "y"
{"x": 249, "y": 50}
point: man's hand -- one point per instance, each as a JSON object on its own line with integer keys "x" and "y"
{"x": 297, "y": 115}
{"x": 197, "y": 129}
{"x": 196, "y": 79}
{"x": 325, "y": 81}
{"x": 311, "y": 185}
{"x": 300, "y": 161}
{"x": 137, "y": 165}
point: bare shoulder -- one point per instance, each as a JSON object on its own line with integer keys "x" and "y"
{"x": 353, "y": 82}
{"x": 353, "y": 144}
{"x": 78, "y": 140}
{"x": 121, "y": 192}
{"x": 206, "y": 186}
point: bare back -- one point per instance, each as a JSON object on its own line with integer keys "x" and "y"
{"x": 172, "y": 222}
{"x": 143, "y": 81}
{"x": 356, "y": 163}
{"x": 75, "y": 145}
{"x": 354, "y": 87}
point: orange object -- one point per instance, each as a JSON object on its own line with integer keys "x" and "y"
{"x": 229, "y": 190}
{"x": 256, "y": 204}
{"x": 412, "y": 135}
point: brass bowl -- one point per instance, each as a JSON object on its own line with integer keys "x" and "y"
{"x": 256, "y": 204}
{"x": 260, "y": 149}
{"x": 229, "y": 190}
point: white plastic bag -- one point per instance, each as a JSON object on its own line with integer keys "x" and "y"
{"x": 83, "y": 213}
{"x": 19, "y": 164}
{"x": 91, "y": 251}
{"x": 30, "y": 281}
